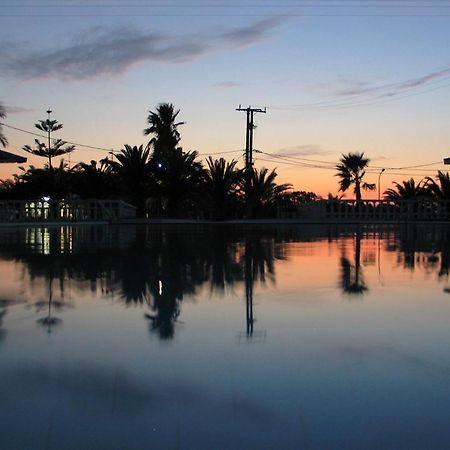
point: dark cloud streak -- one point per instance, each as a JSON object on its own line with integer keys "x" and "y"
{"x": 100, "y": 53}
{"x": 393, "y": 89}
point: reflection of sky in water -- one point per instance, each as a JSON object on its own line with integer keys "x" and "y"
{"x": 152, "y": 345}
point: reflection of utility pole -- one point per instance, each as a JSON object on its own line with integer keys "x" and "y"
{"x": 249, "y": 281}
{"x": 249, "y": 149}
{"x": 249, "y": 297}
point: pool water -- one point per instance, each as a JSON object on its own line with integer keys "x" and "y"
{"x": 225, "y": 337}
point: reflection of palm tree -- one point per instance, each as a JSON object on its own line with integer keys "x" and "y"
{"x": 156, "y": 269}
{"x": 351, "y": 171}
{"x": 352, "y": 280}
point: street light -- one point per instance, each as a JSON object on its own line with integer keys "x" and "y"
{"x": 379, "y": 178}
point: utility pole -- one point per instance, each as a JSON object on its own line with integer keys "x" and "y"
{"x": 249, "y": 150}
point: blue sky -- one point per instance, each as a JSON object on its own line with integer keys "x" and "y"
{"x": 335, "y": 76}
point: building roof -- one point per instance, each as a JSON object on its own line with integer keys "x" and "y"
{"x": 6, "y": 157}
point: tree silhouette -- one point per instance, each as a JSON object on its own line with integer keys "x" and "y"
{"x": 405, "y": 190}
{"x": 94, "y": 179}
{"x": 180, "y": 182}
{"x": 3, "y": 140}
{"x": 133, "y": 167}
{"x": 441, "y": 187}
{"x": 164, "y": 128}
{"x": 351, "y": 171}
{"x": 48, "y": 150}
{"x": 262, "y": 192}
{"x": 33, "y": 183}
{"x": 221, "y": 180}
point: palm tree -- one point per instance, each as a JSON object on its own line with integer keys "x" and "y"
{"x": 405, "y": 190}
{"x": 3, "y": 139}
{"x": 47, "y": 150}
{"x": 351, "y": 171}
{"x": 94, "y": 179}
{"x": 34, "y": 182}
{"x": 132, "y": 165}
{"x": 164, "y": 128}
{"x": 221, "y": 182}
{"x": 180, "y": 182}
{"x": 439, "y": 188}
{"x": 261, "y": 191}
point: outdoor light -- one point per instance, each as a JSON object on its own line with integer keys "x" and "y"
{"x": 159, "y": 165}
{"x": 46, "y": 198}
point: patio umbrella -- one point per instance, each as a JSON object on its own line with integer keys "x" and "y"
{"x": 6, "y": 157}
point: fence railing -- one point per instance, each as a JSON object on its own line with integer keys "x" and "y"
{"x": 64, "y": 210}
{"x": 371, "y": 210}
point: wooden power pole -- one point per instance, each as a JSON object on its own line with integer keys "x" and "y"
{"x": 249, "y": 151}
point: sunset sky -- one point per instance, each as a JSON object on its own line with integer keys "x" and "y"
{"x": 336, "y": 76}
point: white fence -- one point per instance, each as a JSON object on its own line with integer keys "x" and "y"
{"x": 371, "y": 210}
{"x": 64, "y": 210}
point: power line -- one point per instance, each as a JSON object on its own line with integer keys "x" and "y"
{"x": 369, "y": 171}
{"x": 220, "y": 153}
{"x": 68, "y": 142}
{"x": 331, "y": 164}
{"x": 418, "y": 15}
{"x": 100, "y": 148}
{"x": 172, "y": 6}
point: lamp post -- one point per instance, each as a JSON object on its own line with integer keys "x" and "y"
{"x": 379, "y": 179}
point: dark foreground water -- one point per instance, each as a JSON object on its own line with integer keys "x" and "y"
{"x": 294, "y": 337}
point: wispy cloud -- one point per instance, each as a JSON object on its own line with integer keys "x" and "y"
{"x": 226, "y": 84}
{"x": 17, "y": 109}
{"x": 100, "y": 52}
{"x": 304, "y": 150}
{"x": 365, "y": 88}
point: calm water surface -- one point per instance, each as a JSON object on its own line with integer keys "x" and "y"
{"x": 294, "y": 337}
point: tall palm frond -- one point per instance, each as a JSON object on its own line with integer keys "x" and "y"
{"x": 351, "y": 171}
{"x": 406, "y": 189}
{"x": 132, "y": 165}
{"x": 440, "y": 187}
{"x": 221, "y": 183}
{"x": 261, "y": 190}
{"x": 164, "y": 128}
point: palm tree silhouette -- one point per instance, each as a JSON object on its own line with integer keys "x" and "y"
{"x": 3, "y": 139}
{"x": 441, "y": 187}
{"x": 262, "y": 191}
{"x": 351, "y": 171}
{"x": 180, "y": 181}
{"x": 221, "y": 180}
{"x": 133, "y": 167}
{"x": 406, "y": 189}
{"x": 164, "y": 128}
{"x": 48, "y": 150}
{"x": 94, "y": 177}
